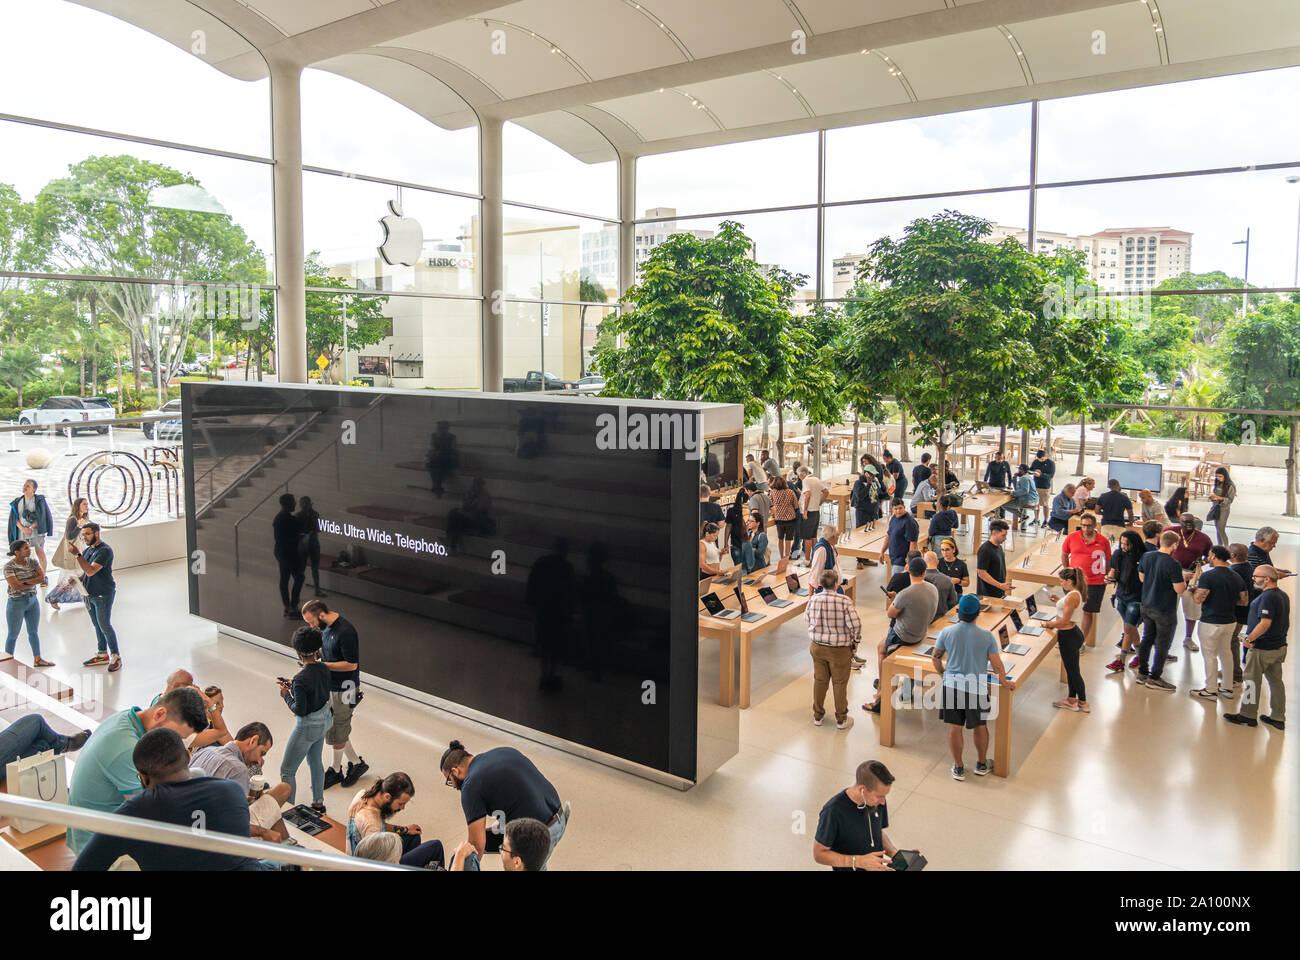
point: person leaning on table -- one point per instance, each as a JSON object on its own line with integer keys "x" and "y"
{"x": 851, "y": 826}
{"x": 972, "y": 651}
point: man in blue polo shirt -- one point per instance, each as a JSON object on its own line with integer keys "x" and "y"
{"x": 105, "y": 773}
{"x": 903, "y": 531}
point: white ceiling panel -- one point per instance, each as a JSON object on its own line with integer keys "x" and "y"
{"x": 1201, "y": 29}
{"x": 606, "y": 37}
{"x": 658, "y": 116}
{"x": 749, "y": 99}
{"x": 954, "y": 65}
{"x": 408, "y": 85}
{"x": 826, "y": 15}
{"x": 527, "y": 65}
{"x": 1085, "y": 44}
{"x": 710, "y": 27}
{"x": 295, "y": 16}
{"x": 843, "y": 84}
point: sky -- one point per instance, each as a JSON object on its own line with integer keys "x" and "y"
{"x": 111, "y": 75}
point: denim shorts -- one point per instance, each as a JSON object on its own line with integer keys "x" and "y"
{"x": 1130, "y": 609}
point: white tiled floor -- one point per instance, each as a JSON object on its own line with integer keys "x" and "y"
{"x": 1148, "y": 781}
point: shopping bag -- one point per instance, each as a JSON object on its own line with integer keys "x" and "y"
{"x": 42, "y": 776}
{"x": 63, "y": 559}
{"x": 68, "y": 590}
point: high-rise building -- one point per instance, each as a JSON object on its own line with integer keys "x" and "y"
{"x": 1118, "y": 258}
{"x": 600, "y": 247}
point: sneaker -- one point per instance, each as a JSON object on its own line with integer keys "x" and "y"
{"x": 959, "y": 773}
{"x": 817, "y": 721}
{"x": 1171, "y": 658}
{"x": 1240, "y": 718}
{"x": 1116, "y": 665}
{"x": 1225, "y": 693}
{"x": 1083, "y": 707}
{"x": 1205, "y": 695}
{"x": 77, "y": 741}
{"x": 856, "y": 667}
{"x": 1142, "y": 679}
{"x": 96, "y": 660}
{"x": 1191, "y": 646}
{"x": 1280, "y": 724}
{"x": 1161, "y": 684}
{"x": 983, "y": 768}
{"x": 355, "y": 771}
{"x": 858, "y": 660}
{"x": 318, "y": 808}
{"x": 1133, "y": 663}
{"x": 1066, "y": 705}
{"x": 333, "y": 777}
{"x": 115, "y": 665}
{"x": 848, "y": 722}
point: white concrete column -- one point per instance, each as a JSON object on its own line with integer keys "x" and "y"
{"x": 491, "y": 254}
{"x": 291, "y": 298}
{"x": 627, "y": 214}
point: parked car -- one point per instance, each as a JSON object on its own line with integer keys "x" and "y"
{"x": 534, "y": 381}
{"x": 591, "y": 384}
{"x": 57, "y": 411}
{"x": 149, "y": 427}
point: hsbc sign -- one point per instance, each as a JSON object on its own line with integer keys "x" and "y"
{"x": 451, "y": 263}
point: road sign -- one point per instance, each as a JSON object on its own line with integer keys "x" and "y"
{"x": 322, "y": 361}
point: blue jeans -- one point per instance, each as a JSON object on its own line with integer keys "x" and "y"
{"x": 26, "y": 737}
{"x": 101, "y": 608}
{"x": 306, "y": 741}
{"x": 557, "y": 831}
{"x": 18, "y": 609}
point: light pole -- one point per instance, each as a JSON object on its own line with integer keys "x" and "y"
{"x": 1295, "y": 276}
{"x": 1245, "y": 280}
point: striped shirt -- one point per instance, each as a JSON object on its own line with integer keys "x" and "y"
{"x": 833, "y": 620}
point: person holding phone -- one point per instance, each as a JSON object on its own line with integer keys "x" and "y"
{"x": 1069, "y": 638}
{"x": 851, "y": 826}
{"x": 308, "y": 696}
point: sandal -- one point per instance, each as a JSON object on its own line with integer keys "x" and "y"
{"x": 42, "y": 662}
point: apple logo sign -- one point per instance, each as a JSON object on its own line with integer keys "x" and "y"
{"x": 403, "y": 237}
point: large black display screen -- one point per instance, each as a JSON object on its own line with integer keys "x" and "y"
{"x": 489, "y": 550}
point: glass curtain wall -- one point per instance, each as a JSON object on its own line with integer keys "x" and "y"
{"x": 390, "y": 216}
{"x": 560, "y": 248}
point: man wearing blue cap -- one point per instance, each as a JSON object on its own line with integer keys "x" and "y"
{"x": 971, "y": 650}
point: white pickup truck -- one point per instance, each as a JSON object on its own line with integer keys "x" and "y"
{"x": 77, "y": 412}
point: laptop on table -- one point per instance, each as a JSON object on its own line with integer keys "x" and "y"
{"x": 1034, "y": 613}
{"x": 714, "y": 605}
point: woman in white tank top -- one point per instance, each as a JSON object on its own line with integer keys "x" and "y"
{"x": 710, "y": 558}
{"x": 1069, "y": 638}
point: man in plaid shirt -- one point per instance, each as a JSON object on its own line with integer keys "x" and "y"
{"x": 834, "y": 630}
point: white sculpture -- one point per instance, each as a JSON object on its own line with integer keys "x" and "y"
{"x": 38, "y": 458}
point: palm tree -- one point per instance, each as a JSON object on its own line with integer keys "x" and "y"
{"x": 1198, "y": 390}
{"x": 19, "y": 364}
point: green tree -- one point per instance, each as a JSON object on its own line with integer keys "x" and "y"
{"x": 365, "y": 317}
{"x": 1211, "y": 310}
{"x": 121, "y": 216}
{"x": 803, "y": 376}
{"x": 1261, "y": 369}
{"x": 706, "y": 324}
{"x": 19, "y": 365}
{"x": 589, "y": 291}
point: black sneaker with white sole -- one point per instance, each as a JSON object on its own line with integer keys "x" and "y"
{"x": 333, "y": 777}
{"x": 1161, "y": 684}
{"x": 355, "y": 771}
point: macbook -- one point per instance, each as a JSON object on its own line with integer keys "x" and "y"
{"x": 771, "y": 599}
{"x": 716, "y": 608}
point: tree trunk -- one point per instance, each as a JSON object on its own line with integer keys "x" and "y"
{"x": 1002, "y": 440}
{"x": 780, "y": 435}
{"x": 1047, "y": 442}
{"x": 135, "y": 362}
{"x": 1290, "y": 471}
{"x": 1083, "y": 426}
{"x": 118, "y": 355}
{"x": 902, "y": 436}
{"x": 1105, "y": 440}
{"x": 1024, "y": 447}
{"x": 940, "y": 473}
{"x": 81, "y": 374}
{"x": 856, "y": 455}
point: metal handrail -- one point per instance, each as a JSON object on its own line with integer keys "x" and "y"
{"x": 289, "y": 438}
{"x": 198, "y": 479}
{"x": 135, "y": 828}
{"x": 374, "y": 404}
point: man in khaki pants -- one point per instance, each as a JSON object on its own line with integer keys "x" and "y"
{"x": 1265, "y": 642}
{"x": 834, "y": 630}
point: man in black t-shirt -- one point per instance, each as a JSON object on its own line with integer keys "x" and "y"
{"x": 851, "y": 826}
{"x": 341, "y": 653}
{"x": 287, "y": 529}
{"x": 1243, "y": 569}
{"x": 922, "y": 471}
{"x": 1267, "y": 627}
{"x": 1043, "y": 468}
{"x": 170, "y": 795}
{"x": 896, "y": 469}
{"x": 1162, "y": 583}
{"x": 1116, "y": 509}
{"x": 1218, "y": 591}
{"x": 991, "y": 563}
{"x": 710, "y": 511}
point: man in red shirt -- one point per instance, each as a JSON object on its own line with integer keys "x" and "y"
{"x": 1190, "y": 551}
{"x": 1087, "y": 550}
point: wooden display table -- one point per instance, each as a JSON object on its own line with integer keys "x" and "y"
{"x": 864, "y": 543}
{"x": 977, "y": 506}
{"x": 1043, "y": 563}
{"x": 904, "y": 662}
{"x": 733, "y": 633}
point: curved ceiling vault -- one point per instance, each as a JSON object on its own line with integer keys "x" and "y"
{"x": 670, "y": 74}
